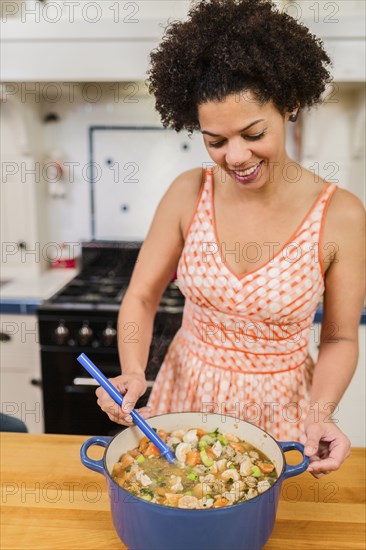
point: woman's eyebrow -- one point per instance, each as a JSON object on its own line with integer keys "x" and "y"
{"x": 242, "y": 130}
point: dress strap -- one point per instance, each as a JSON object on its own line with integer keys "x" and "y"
{"x": 207, "y": 176}
{"x": 329, "y": 192}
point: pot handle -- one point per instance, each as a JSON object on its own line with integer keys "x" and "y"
{"x": 96, "y": 465}
{"x": 291, "y": 471}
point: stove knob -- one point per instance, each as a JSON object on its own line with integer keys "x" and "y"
{"x": 109, "y": 335}
{"x": 61, "y": 334}
{"x": 85, "y": 334}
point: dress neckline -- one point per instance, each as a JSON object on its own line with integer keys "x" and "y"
{"x": 210, "y": 175}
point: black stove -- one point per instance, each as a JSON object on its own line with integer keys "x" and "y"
{"x": 82, "y": 317}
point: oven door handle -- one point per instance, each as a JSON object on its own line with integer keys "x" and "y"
{"x": 83, "y": 381}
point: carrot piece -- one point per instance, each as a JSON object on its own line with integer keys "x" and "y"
{"x": 143, "y": 444}
{"x": 200, "y": 432}
{"x": 266, "y": 468}
{"x": 172, "y": 498}
{"x": 161, "y": 491}
{"x": 220, "y": 503}
{"x": 126, "y": 460}
{"x": 151, "y": 451}
{"x": 117, "y": 469}
{"x": 129, "y": 475}
{"x": 210, "y": 453}
{"x": 237, "y": 446}
{"x": 135, "y": 453}
{"x": 193, "y": 458}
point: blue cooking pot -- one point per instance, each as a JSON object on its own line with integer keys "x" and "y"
{"x": 142, "y": 525}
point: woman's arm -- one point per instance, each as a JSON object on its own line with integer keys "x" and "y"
{"x": 155, "y": 266}
{"x": 338, "y": 353}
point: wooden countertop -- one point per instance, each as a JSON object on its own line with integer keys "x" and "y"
{"x": 51, "y": 501}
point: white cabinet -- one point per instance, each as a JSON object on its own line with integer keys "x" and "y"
{"x": 22, "y": 249}
{"x": 111, "y": 40}
{"x": 351, "y": 413}
{"x": 19, "y": 366}
{"x": 81, "y": 41}
{"x": 22, "y": 216}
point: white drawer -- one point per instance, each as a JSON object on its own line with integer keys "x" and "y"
{"x": 19, "y": 347}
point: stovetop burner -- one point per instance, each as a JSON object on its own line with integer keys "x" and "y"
{"x": 104, "y": 279}
{"x": 87, "y": 290}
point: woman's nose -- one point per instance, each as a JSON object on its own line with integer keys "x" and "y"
{"x": 237, "y": 154}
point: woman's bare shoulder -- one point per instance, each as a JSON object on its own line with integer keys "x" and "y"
{"x": 188, "y": 183}
{"x": 345, "y": 220}
{"x": 345, "y": 207}
{"x": 184, "y": 192}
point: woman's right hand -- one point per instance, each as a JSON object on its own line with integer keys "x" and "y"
{"x": 131, "y": 386}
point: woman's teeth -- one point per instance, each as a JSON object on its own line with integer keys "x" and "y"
{"x": 249, "y": 171}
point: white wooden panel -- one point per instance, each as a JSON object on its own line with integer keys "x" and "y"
{"x": 18, "y": 214}
{"x": 74, "y": 61}
{"x": 20, "y": 363}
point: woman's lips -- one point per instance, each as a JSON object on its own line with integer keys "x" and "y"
{"x": 248, "y": 175}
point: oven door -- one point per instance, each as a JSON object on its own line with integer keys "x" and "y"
{"x": 70, "y": 403}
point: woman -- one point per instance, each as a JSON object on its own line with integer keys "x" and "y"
{"x": 256, "y": 239}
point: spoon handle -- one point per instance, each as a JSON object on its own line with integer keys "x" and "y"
{"x": 117, "y": 397}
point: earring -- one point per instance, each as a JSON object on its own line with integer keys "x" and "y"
{"x": 293, "y": 117}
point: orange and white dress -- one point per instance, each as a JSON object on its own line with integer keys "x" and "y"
{"x": 242, "y": 349}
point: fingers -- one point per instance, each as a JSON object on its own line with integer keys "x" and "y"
{"x": 134, "y": 391}
{"x": 327, "y": 449}
{"x": 324, "y": 466}
{"x": 145, "y": 412}
{"x": 314, "y": 434}
{"x": 114, "y": 412}
{"x": 318, "y": 476}
{"x": 131, "y": 389}
{"x": 116, "y": 415}
{"x": 129, "y": 400}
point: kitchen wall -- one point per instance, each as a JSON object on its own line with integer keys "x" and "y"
{"x": 118, "y": 104}
{"x": 52, "y": 127}
{"x": 333, "y": 137}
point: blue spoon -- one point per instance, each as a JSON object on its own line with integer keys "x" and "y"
{"x": 117, "y": 397}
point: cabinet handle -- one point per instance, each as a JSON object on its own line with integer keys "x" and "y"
{"x": 4, "y": 337}
{"x": 36, "y": 382}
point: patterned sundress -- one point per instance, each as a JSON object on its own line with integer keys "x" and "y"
{"x": 242, "y": 349}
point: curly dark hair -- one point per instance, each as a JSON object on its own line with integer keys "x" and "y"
{"x": 229, "y": 46}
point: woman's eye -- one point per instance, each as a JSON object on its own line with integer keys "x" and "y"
{"x": 216, "y": 144}
{"x": 254, "y": 137}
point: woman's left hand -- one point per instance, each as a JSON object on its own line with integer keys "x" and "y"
{"x": 326, "y": 445}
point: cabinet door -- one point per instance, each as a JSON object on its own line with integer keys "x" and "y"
{"x": 21, "y": 246}
{"x": 19, "y": 366}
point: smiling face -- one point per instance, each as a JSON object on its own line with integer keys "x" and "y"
{"x": 246, "y": 139}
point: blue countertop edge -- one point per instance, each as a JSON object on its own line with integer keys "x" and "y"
{"x": 29, "y": 307}
{"x": 20, "y": 307}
